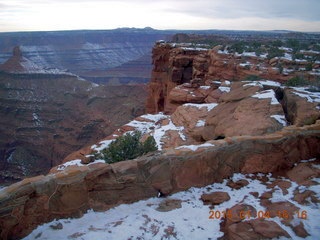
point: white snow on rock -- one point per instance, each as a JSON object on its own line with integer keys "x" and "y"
{"x": 248, "y": 54}
{"x": 195, "y": 147}
{"x": 262, "y": 83}
{"x": 205, "y": 87}
{"x": 143, "y": 220}
{"x": 200, "y": 123}
{"x": 209, "y": 106}
{"x": 76, "y": 162}
{"x": 267, "y": 94}
{"x": 270, "y": 83}
{"x": 160, "y": 131}
{"x": 227, "y": 83}
{"x": 102, "y": 145}
{"x": 304, "y": 93}
{"x": 224, "y": 89}
{"x": 281, "y": 119}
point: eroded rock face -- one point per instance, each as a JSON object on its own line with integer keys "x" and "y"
{"x": 100, "y": 186}
{"x": 45, "y": 117}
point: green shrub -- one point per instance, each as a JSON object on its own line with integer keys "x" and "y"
{"x": 309, "y": 67}
{"x": 275, "y": 52}
{"x": 297, "y": 81}
{"x": 128, "y": 147}
{"x": 252, "y": 78}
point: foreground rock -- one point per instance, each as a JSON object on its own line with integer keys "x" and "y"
{"x": 100, "y": 186}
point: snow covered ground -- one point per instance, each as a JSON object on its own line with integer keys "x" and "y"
{"x": 183, "y": 215}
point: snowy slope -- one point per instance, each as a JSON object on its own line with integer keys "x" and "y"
{"x": 188, "y": 218}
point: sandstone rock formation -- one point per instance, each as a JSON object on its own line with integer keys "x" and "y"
{"x": 176, "y": 64}
{"x": 216, "y": 128}
{"x": 100, "y": 186}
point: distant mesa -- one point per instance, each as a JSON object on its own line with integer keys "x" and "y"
{"x": 18, "y": 64}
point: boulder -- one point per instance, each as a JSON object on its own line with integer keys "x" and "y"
{"x": 300, "y": 108}
{"x": 250, "y": 116}
{"x": 215, "y": 198}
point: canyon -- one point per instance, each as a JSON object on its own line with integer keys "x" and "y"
{"x": 209, "y": 122}
{"x": 206, "y": 127}
{"x": 46, "y": 115}
{"x": 99, "y": 56}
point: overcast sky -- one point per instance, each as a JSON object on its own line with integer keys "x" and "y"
{"x": 30, "y": 15}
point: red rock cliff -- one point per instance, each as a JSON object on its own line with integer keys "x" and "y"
{"x": 176, "y": 64}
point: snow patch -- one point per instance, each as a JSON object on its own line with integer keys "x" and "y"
{"x": 102, "y": 145}
{"x": 142, "y": 220}
{"x": 310, "y": 96}
{"x": 281, "y": 119}
{"x": 195, "y": 147}
{"x": 224, "y": 89}
{"x": 200, "y": 123}
{"x": 76, "y": 162}
{"x": 205, "y": 87}
{"x": 267, "y": 94}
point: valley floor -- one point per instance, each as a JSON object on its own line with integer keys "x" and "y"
{"x": 271, "y": 207}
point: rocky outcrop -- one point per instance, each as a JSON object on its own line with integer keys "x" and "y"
{"x": 100, "y": 186}
{"x": 175, "y": 66}
{"x": 301, "y": 109}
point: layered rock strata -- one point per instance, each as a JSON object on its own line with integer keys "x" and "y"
{"x": 47, "y": 115}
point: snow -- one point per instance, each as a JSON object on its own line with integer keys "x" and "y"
{"x": 304, "y": 93}
{"x": 281, "y": 119}
{"x": 270, "y": 83}
{"x": 287, "y": 56}
{"x": 224, "y": 89}
{"x": 286, "y": 49}
{"x": 262, "y": 83}
{"x": 209, "y": 106}
{"x": 310, "y": 51}
{"x": 205, "y": 87}
{"x": 160, "y": 131}
{"x": 248, "y": 54}
{"x": 255, "y": 83}
{"x": 195, "y": 147}
{"x": 143, "y": 220}
{"x": 223, "y": 52}
{"x": 150, "y": 126}
{"x": 102, "y": 145}
{"x": 195, "y": 48}
{"x": 301, "y": 60}
{"x": 76, "y": 162}
{"x": 154, "y": 117}
{"x": 267, "y": 94}
{"x": 200, "y": 123}
{"x": 227, "y": 83}
{"x": 245, "y": 64}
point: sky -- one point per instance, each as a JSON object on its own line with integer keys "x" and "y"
{"x": 38, "y": 15}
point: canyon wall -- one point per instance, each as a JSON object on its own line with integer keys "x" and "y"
{"x": 45, "y": 117}
{"x": 100, "y": 56}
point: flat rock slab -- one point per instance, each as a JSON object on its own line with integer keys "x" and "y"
{"x": 215, "y": 198}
